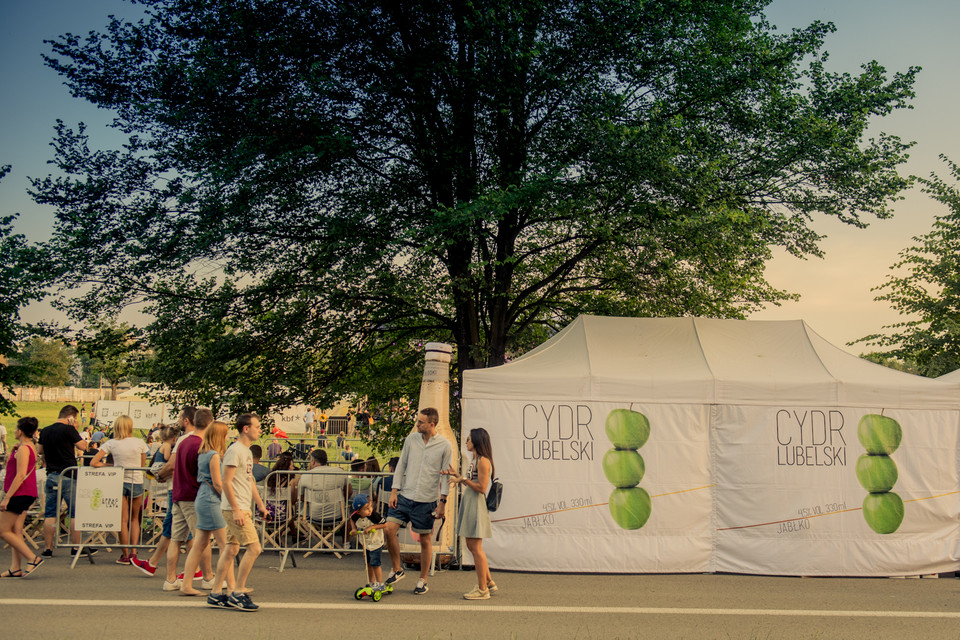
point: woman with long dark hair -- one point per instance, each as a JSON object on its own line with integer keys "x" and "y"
{"x": 20, "y": 485}
{"x": 474, "y": 521}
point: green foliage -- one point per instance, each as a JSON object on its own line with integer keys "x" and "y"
{"x": 47, "y": 362}
{"x": 19, "y": 284}
{"x": 928, "y": 291}
{"x": 113, "y": 349}
{"x": 892, "y": 363}
{"x": 311, "y": 187}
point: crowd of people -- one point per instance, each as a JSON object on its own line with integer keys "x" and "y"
{"x": 211, "y": 493}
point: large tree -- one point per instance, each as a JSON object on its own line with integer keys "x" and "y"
{"x": 114, "y": 351}
{"x": 310, "y": 186}
{"x": 46, "y": 361}
{"x": 21, "y": 281}
{"x": 925, "y": 289}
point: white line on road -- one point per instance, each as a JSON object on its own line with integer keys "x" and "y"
{"x": 368, "y": 606}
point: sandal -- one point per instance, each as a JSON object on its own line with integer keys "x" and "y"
{"x": 33, "y": 565}
{"x": 12, "y": 574}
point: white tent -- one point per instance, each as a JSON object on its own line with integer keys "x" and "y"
{"x": 751, "y": 459}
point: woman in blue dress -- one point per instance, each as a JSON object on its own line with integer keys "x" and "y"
{"x": 210, "y": 520}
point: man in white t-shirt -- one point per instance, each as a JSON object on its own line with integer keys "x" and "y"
{"x": 308, "y": 420}
{"x": 239, "y": 491}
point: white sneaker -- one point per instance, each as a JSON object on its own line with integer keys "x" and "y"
{"x": 208, "y": 584}
{"x": 172, "y": 586}
{"x": 477, "y": 594}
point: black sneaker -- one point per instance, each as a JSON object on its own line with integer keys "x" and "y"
{"x": 242, "y": 602}
{"x": 395, "y": 577}
{"x": 47, "y": 553}
{"x": 218, "y": 601}
{"x": 421, "y": 588}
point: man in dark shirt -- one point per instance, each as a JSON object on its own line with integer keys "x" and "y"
{"x": 59, "y": 444}
{"x": 259, "y": 471}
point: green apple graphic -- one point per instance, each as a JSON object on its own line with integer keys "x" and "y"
{"x": 627, "y": 429}
{"x": 879, "y": 434}
{"x": 883, "y": 511}
{"x": 876, "y": 473}
{"x": 631, "y": 507}
{"x": 623, "y": 467}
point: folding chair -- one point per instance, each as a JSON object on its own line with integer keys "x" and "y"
{"x": 324, "y": 530}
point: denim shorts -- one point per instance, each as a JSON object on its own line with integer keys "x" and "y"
{"x": 132, "y": 490}
{"x": 51, "y": 508}
{"x": 418, "y": 514}
{"x": 168, "y": 519}
{"x": 373, "y": 557}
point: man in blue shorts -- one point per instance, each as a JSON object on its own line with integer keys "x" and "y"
{"x": 419, "y": 493}
{"x": 59, "y": 444}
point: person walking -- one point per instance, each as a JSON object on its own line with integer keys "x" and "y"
{"x": 185, "y": 488}
{"x": 474, "y": 520}
{"x": 419, "y": 493}
{"x": 210, "y": 520}
{"x": 20, "y": 487}
{"x": 239, "y": 492}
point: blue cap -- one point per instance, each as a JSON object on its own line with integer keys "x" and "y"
{"x": 359, "y": 500}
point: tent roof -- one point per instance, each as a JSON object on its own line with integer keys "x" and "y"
{"x": 702, "y": 361}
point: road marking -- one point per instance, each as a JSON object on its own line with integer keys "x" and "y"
{"x": 385, "y": 606}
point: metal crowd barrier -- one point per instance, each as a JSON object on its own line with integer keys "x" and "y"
{"x": 149, "y": 519}
{"x": 314, "y": 517}
{"x": 332, "y": 445}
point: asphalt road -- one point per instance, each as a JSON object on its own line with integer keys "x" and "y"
{"x": 315, "y": 599}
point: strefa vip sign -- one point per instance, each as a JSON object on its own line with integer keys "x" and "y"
{"x": 98, "y": 501}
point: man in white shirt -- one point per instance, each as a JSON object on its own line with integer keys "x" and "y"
{"x": 324, "y": 490}
{"x": 419, "y": 493}
{"x": 239, "y": 492}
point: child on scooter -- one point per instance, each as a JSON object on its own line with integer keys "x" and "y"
{"x": 370, "y": 525}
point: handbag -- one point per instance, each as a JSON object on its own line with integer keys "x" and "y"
{"x": 494, "y": 495}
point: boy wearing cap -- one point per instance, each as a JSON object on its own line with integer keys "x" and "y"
{"x": 370, "y": 525}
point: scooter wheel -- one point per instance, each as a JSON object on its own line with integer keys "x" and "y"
{"x": 359, "y": 594}
{"x": 376, "y": 596}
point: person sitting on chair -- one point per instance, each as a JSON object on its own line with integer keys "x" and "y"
{"x": 324, "y": 490}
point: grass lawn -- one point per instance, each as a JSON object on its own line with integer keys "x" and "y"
{"x": 44, "y": 412}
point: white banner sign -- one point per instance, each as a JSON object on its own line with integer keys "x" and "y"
{"x": 291, "y": 419}
{"x": 621, "y": 488}
{"x": 110, "y": 410}
{"x": 98, "y": 498}
{"x": 144, "y": 414}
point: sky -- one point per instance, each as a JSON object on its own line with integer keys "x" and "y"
{"x": 836, "y": 297}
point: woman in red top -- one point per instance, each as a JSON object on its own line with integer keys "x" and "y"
{"x": 20, "y": 485}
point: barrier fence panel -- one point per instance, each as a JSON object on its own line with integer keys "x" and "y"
{"x": 310, "y": 512}
{"x": 143, "y": 507}
{"x": 300, "y": 446}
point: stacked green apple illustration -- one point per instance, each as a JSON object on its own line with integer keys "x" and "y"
{"x": 877, "y": 472}
{"x": 623, "y": 465}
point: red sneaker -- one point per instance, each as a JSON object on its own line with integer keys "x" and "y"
{"x": 143, "y": 565}
{"x": 198, "y": 574}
